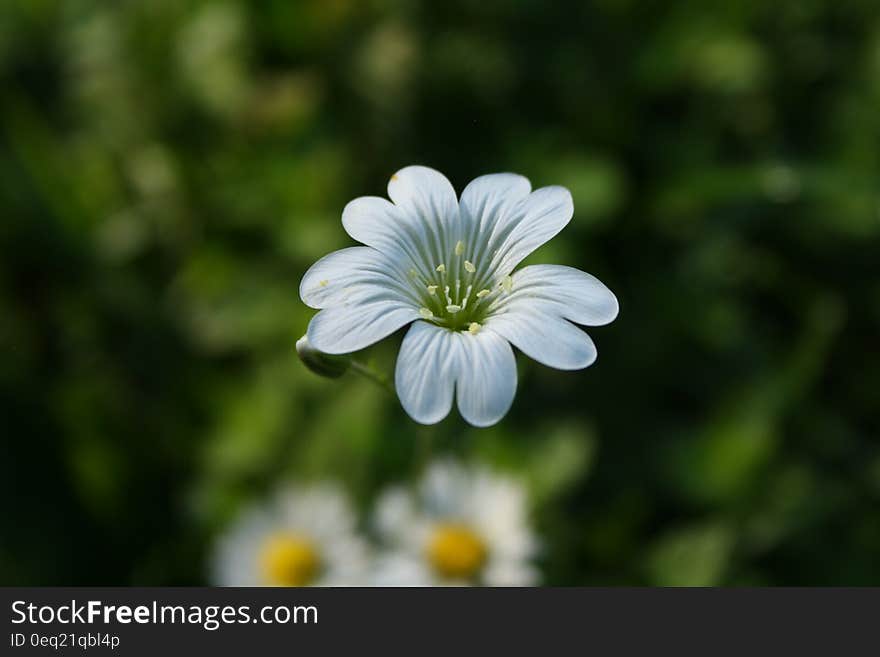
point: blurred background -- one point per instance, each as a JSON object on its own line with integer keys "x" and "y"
{"x": 169, "y": 169}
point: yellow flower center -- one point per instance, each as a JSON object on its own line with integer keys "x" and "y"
{"x": 456, "y": 551}
{"x": 289, "y": 560}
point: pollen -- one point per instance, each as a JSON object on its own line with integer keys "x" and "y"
{"x": 469, "y": 266}
{"x": 453, "y": 308}
{"x": 441, "y": 268}
{"x": 432, "y": 290}
{"x": 459, "y": 248}
{"x": 474, "y": 328}
{"x": 483, "y": 293}
{"x": 323, "y": 283}
{"x": 394, "y": 177}
{"x": 426, "y": 313}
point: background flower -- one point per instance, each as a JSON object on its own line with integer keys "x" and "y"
{"x": 460, "y": 526}
{"x": 305, "y": 537}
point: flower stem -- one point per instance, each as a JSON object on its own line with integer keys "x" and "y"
{"x": 369, "y": 373}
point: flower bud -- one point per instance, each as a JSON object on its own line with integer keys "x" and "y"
{"x": 330, "y": 365}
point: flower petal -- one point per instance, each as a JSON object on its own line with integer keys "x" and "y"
{"x": 433, "y": 361}
{"x": 487, "y": 378}
{"x": 425, "y": 372}
{"x": 428, "y": 199}
{"x": 401, "y": 568}
{"x": 354, "y": 273}
{"x": 532, "y": 222}
{"x": 352, "y": 327}
{"x": 563, "y": 291}
{"x": 378, "y": 223}
{"x": 487, "y": 202}
{"x": 546, "y": 338}
{"x": 509, "y": 572}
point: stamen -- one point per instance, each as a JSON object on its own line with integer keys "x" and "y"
{"x": 459, "y": 248}
{"x": 441, "y": 268}
{"x": 483, "y": 293}
{"x": 507, "y": 283}
{"x": 453, "y": 308}
{"x": 432, "y": 290}
{"x": 474, "y": 328}
{"x": 446, "y": 294}
{"x": 457, "y": 288}
{"x": 469, "y": 266}
{"x": 426, "y": 313}
{"x": 467, "y": 295}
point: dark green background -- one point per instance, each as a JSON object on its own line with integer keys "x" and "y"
{"x": 168, "y": 170}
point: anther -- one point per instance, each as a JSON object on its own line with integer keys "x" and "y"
{"x": 459, "y": 248}
{"x": 426, "y": 313}
{"x": 474, "y": 328}
{"x": 483, "y": 293}
{"x": 469, "y": 266}
{"x": 441, "y": 268}
{"x": 453, "y": 308}
{"x": 413, "y": 273}
{"x": 432, "y": 290}
{"x": 507, "y": 283}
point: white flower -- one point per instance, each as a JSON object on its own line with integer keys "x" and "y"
{"x": 447, "y": 266}
{"x": 460, "y": 527}
{"x": 305, "y": 537}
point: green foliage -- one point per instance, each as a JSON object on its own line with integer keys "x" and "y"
{"x": 168, "y": 171}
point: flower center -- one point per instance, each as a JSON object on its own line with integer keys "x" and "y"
{"x": 456, "y": 551}
{"x": 458, "y": 294}
{"x": 289, "y": 559}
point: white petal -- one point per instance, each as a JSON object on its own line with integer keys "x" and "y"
{"x": 565, "y": 291}
{"x": 394, "y": 514}
{"x": 401, "y": 569}
{"x": 531, "y": 223}
{"x": 508, "y": 572}
{"x": 544, "y": 337}
{"x": 425, "y": 372}
{"x": 372, "y": 220}
{"x": 428, "y": 199}
{"x": 487, "y": 202}
{"x": 380, "y": 224}
{"x": 433, "y": 361}
{"x": 352, "y": 327}
{"x": 445, "y": 489}
{"x": 351, "y": 274}
{"x": 487, "y": 378}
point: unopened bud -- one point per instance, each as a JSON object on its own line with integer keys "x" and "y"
{"x": 330, "y": 365}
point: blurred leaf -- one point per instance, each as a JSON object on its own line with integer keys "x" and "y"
{"x": 564, "y": 457}
{"x": 693, "y": 556}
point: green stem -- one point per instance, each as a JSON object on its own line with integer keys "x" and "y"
{"x": 374, "y": 376}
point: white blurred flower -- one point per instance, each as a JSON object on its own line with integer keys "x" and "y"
{"x": 305, "y": 537}
{"x": 462, "y": 526}
{"x": 447, "y": 266}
